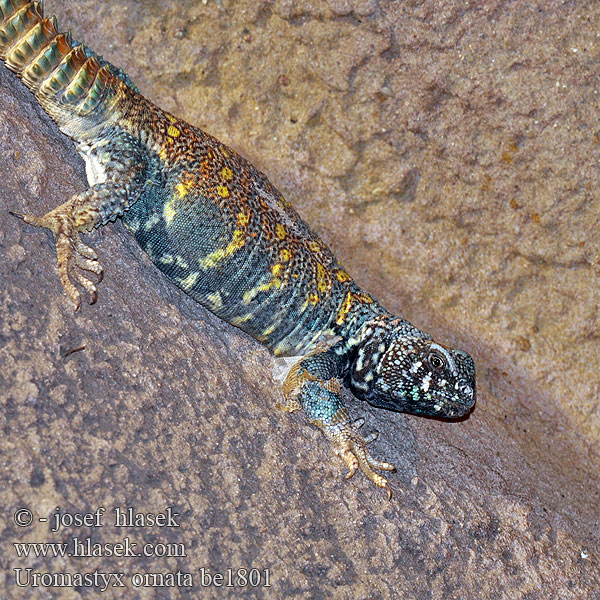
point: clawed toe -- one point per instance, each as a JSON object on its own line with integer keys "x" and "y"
{"x": 352, "y": 448}
{"x": 79, "y": 257}
{"x": 72, "y": 254}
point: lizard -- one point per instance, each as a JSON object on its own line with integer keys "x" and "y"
{"x": 221, "y": 232}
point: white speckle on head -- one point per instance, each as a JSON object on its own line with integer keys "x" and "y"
{"x": 426, "y": 382}
{"x": 443, "y": 383}
{"x": 359, "y": 362}
{"x": 416, "y": 366}
{"x": 437, "y": 407}
{"x": 361, "y": 385}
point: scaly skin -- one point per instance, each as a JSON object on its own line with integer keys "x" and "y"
{"x": 221, "y": 232}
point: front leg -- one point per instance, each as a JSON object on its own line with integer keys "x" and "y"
{"x": 313, "y": 386}
{"x": 100, "y": 204}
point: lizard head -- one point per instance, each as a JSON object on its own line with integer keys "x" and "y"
{"x": 400, "y": 368}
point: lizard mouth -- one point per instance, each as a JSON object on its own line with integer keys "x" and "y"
{"x": 444, "y": 406}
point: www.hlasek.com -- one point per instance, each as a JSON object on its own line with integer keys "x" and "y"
{"x": 83, "y": 547}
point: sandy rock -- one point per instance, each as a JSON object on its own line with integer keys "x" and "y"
{"x": 448, "y": 152}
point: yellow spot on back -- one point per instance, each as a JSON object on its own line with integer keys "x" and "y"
{"x": 226, "y": 173}
{"x": 169, "y": 210}
{"x": 347, "y": 304}
{"x": 182, "y": 263}
{"x": 343, "y": 276}
{"x": 314, "y": 246}
{"x": 167, "y": 259}
{"x": 171, "y": 118}
{"x": 242, "y": 319}
{"x": 268, "y": 331}
{"x": 151, "y": 222}
{"x": 285, "y": 255}
{"x": 344, "y": 309}
{"x": 173, "y": 131}
{"x": 224, "y": 152}
{"x": 182, "y": 190}
{"x": 223, "y": 191}
{"x": 263, "y": 287}
{"x": 243, "y": 219}
{"x": 280, "y": 231}
{"x": 189, "y": 281}
{"x": 310, "y": 299}
{"x": 321, "y": 278}
{"x": 276, "y": 269}
{"x": 215, "y": 299}
{"x": 215, "y": 258}
{"x": 162, "y": 154}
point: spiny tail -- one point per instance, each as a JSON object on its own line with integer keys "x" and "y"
{"x": 74, "y": 85}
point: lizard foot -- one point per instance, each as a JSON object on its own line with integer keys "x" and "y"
{"x": 313, "y": 385}
{"x": 72, "y": 254}
{"x": 351, "y": 447}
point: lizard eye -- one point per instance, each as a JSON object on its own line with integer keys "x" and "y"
{"x": 436, "y": 361}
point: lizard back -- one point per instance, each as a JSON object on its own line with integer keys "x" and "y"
{"x": 210, "y": 220}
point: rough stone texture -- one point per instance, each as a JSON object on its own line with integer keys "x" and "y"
{"x": 449, "y": 153}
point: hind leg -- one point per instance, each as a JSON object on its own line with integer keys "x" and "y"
{"x": 98, "y": 205}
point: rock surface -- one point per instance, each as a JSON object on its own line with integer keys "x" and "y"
{"x": 449, "y": 153}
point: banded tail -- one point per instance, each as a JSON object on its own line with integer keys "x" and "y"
{"x": 74, "y": 85}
